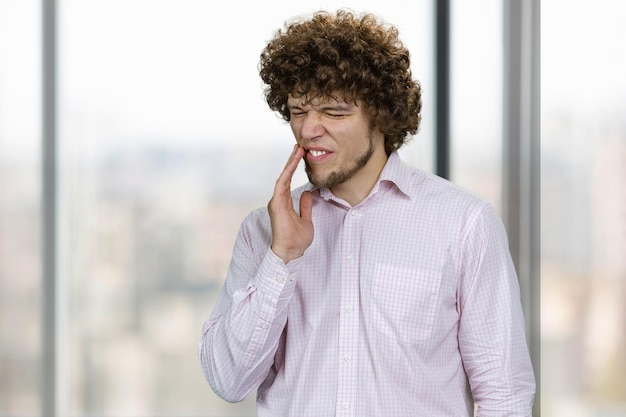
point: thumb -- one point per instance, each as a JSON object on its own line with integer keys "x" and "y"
{"x": 306, "y": 205}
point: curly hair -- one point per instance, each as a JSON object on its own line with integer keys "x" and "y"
{"x": 355, "y": 56}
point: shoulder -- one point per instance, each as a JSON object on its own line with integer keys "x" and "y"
{"x": 449, "y": 205}
{"x": 428, "y": 188}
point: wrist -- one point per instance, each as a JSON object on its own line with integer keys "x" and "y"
{"x": 286, "y": 255}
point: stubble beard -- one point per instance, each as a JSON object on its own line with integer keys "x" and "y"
{"x": 341, "y": 175}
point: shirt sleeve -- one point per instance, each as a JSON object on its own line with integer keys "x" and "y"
{"x": 491, "y": 329}
{"x": 239, "y": 340}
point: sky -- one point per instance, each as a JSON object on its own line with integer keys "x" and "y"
{"x": 582, "y": 59}
{"x": 190, "y": 67}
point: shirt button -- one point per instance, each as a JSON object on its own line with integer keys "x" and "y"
{"x": 292, "y": 277}
{"x": 345, "y": 406}
{"x": 280, "y": 279}
{"x": 353, "y": 213}
{"x": 263, "y": 325}
{"x": 349, "y": 309}
{"x": 350, "y": 259}
{"x": 347, "y": 358}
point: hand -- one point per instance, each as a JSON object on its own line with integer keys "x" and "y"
{"x": 292, "y": 233}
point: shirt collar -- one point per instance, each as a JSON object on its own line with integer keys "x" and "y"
{"x": 397, "y": 173}
{"x": 394, "y": 172}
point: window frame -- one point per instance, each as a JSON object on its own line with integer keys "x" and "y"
{"x": 520, "y": 159}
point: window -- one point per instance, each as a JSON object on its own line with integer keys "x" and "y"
{"x": 583, "y": 209}
{"x": 165, "y": 144}
{"x": 476, "y": 98}
{"x": 20, "y": 206}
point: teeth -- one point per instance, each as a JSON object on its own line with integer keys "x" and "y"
{"x": 317, "y": 153}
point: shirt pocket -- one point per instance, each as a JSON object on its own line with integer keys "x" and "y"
{"x": 404, "y": 301}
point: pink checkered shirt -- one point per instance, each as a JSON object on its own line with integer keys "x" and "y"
{"x": 404, "y": 305}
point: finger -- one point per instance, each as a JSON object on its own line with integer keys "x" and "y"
{"x": 284, "y": 180}
{"x": 306, "y": 205}
{"x": 293, "y": 153}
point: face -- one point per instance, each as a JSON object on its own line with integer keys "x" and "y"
{"x": 341, "y": 148}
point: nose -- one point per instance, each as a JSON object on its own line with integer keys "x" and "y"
{"x": 312, "y": 127}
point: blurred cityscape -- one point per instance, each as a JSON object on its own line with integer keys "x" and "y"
{"x": 145, "y": 240}
{"x": 583, "y": 264}
{"x": 146, "y": 224}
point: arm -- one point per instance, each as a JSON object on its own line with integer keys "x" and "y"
{"x": 240, "y": 339}
{"x": 491, "y": 330}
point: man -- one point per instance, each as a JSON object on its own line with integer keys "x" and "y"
{"x": 376, "y": 289}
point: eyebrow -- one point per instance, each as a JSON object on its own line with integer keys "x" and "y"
{"x": 338, "y": 107}
{"x": 326, "y": 107}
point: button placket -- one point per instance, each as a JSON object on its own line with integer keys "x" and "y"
{"x": 349, "y": 322}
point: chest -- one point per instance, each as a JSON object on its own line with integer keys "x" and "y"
{"x": 397, "y": 270}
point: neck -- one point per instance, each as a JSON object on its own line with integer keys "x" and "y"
{"x": 357, "y": 188}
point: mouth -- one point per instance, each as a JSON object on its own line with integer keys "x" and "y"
{"x": 317, "y": 155}
{"x": 317, "y": 152}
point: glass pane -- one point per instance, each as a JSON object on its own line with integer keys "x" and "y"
{"x": 583, "y": 213}
{"x": 476, "y": 97}
{"x": 20, "y": 298}
{"x": 166, "y": 144}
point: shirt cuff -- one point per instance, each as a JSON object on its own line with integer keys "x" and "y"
{"x": 275, "y": 279}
